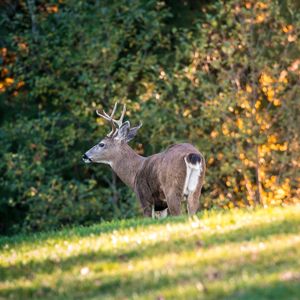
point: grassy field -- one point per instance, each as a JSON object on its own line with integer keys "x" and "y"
{"x": 237, "y": 254}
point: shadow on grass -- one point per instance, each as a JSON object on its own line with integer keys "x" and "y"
{"x": 287, "y": 290}
{"x": 83, "y": 231}
{"x": 141, "y": 284}
{"x": 175, "y": 245}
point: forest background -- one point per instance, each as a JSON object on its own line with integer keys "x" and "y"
{"x": 223, "y": 75}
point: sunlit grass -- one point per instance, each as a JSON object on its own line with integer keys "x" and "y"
{"x": 237, "y": 254}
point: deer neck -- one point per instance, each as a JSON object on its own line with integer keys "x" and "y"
{"x": 126, "y": 165}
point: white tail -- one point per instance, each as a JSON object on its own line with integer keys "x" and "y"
{"x": 193, "y": 172}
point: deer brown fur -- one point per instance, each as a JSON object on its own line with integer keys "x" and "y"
{"x": 161, "y": 181}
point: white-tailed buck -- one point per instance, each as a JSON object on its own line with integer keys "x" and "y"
{"x": 161, "y": 181}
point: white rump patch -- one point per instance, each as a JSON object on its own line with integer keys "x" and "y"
{"x": 193, "y": 172}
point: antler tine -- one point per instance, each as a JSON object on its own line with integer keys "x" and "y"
{"x": 120, "y": 121}
{"x": 113, "y": 129}
{"x": 109, "y": 118}
{"x": 105, "y": 115}
{"x": 114, "y": 110}
{"x": 123, "y": 112}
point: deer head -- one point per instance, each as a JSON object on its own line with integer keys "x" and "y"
{"x": 111, "y": 146}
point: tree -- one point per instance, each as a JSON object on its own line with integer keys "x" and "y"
{"x": 249, "y": 69}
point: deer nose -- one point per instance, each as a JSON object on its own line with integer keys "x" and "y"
{"x": 86, "y": 159}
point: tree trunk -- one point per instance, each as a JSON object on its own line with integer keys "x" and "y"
{"x": 257, "y": 177}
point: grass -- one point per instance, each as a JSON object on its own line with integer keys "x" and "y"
{"x": 237, "y": 254}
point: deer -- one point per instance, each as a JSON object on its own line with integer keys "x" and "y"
{"x": 165, "y": 182}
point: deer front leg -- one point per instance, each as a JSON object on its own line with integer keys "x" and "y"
{"x": 147, "y": 211}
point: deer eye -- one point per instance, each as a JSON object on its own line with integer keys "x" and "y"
{"x": 101, "y": 145}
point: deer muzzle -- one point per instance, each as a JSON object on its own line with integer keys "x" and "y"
{"x": 86, "y": 159}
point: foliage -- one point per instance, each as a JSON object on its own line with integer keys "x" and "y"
{"x": 248, "y": 68}
{"x": 225, "y": 77}
{"x": 238, "y": 254}
{"x": 62, "y": 72}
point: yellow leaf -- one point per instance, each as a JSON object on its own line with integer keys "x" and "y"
{"x": 265, "y": 79}
{"x": 9, "y": 81}
{"x": 20, "y": 84}
{"x": 211, "y": 160}
{"x": 270, "y": 94}
{"x": 248, "y": 88}
{"x": 292, "y": 38}
{"x": 257, "y": 104}
{"x": 52, "y": 9}
{"x": 248, "y": 5}
{"x": 214, "y": 134}
{"x": 261, "y": 5}
{"x": 225, "y": 130}
{"x": 287, "y": 28}
{"x": 272, "y": 139}
{"x": 260, "y": 18}
{"x": 220, "y": 156}
{"x": 240, "y": 123}
{"x": 242, "y": 156}
{"x": 186, "y": 112}
{"x": 277, "y": 102}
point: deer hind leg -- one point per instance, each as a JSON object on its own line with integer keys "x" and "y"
{"x": 193, "y": 203}
{"x": 173, "y": 199}
{"x": 147, "y": 211}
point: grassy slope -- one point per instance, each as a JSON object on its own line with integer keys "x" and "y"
{"x": 218, "y": 255}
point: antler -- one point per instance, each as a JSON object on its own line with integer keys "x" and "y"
{"x": 111, "y": 120}
{"x": 120, "y": 121}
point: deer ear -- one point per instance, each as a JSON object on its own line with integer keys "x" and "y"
{"x": 132, "y": 132}
{"x": 123, "y": 131}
